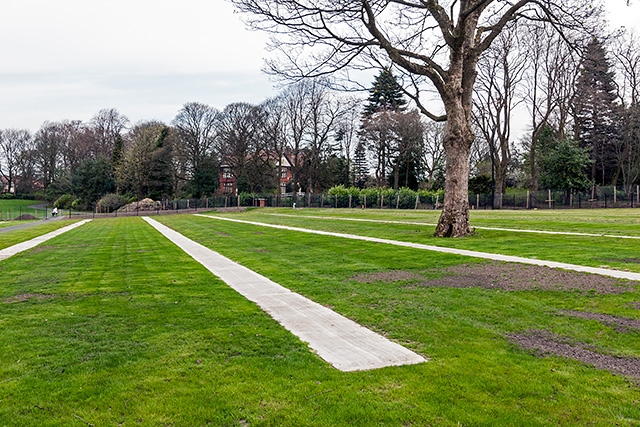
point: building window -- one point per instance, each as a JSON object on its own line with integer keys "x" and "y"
{"x": 226, "y": 173}
{"x": 228, "y": 188}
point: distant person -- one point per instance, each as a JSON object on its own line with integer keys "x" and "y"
{"x": 54, "y": 212}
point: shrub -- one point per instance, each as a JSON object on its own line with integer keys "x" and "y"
{"x": 111, "y": 202}
{"x": 7, "y": 196}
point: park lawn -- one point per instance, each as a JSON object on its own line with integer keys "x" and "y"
{"x": 620, "y": 221}
{"x": 111, "y": 324}
{"x": 12, "y": 237}
{"x": 475, "y": 376}
{"x": 13, "y": 208}
{"x": 600, "y": 251}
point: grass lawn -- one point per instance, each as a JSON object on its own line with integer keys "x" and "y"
{"x": 13, "y": 208}
{"x": 603, "y": 252}
{"x": 111, "y": 324}
{"x": 12, "y": 237}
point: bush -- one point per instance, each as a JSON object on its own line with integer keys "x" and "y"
{"x": 7, "y": 196}
{"x": 64, "y": 202}
{"x": 111, "y": 202}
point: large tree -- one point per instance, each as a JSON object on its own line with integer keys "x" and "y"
{"x": 597, "y": 112}
{"x": 440, "y": 41}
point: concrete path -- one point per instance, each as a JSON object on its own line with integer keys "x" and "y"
{"x": 341, "y": 342}
{"x": 515, "y": 230}
{"x": 496, "y": 257}
{"x": 20, "y": 247}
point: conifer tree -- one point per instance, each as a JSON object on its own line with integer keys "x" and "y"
{"x": 597, "y": 113}
{"x": 385, "y": 94}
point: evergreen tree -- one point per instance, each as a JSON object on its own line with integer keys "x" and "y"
{"x": 562, "y": 163}
{"x": 360, "y": 165}
{"x": 597, "y": 113}
{"x": 160, "y": 173}
{"x": 385, "y": 94}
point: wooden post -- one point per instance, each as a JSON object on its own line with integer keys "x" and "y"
{"x": 381, "y": 200}
{"x": 365, "y": 202}
{"x": 398, "y": 202}
{"x": 615, "y": 194}
{"x": 528, "y": 197}
{"x": 350, "y": 196}
{"x": 549, "y": 200}
{"x": 417, "y": 201}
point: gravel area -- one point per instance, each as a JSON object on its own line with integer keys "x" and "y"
{"x": 545, "y": 343}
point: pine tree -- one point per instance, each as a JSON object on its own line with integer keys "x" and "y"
{"x": 597, "y": 113}
{"x": 385, "y": 94}
{"x": 360, "y": 165}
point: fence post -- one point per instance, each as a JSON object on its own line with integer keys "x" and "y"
{"x": 365, "y": 202}
{"x": 398, "y": 202}
{"x": 417, "y": 201}
{"x": 350, "y": 201}
{"x": 615, "y": 194}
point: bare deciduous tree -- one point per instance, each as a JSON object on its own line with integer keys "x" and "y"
{"x": 13, "y": 143}
{"x": 500, "y": 71}
{"x": 437, "y": 41}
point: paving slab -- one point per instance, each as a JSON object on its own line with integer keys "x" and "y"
{"x": 341, "y": 342}
{"x": 426, "y": 224}
{"x": 21, "y": 247}
{"x": 484, "y": 255}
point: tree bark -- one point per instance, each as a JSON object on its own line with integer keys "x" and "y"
{"x": 454, "y": 220}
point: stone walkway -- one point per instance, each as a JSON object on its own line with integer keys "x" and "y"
{"x": 343, "y": 343}
{"x": 496, "y": 257}
{"x": 20, "y": 247}
{"x": 515, "y": 230}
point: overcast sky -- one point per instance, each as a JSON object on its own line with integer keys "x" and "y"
{"x": 67, "y": 59}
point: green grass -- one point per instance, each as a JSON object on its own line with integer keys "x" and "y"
{"x": 13, "y": 208}
{"x": 606, "y": 252}
{"x": 12, "y": 237}
{"x": 128, "y": 330}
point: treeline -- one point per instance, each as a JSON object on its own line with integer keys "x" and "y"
{"x": 582, "y": 105}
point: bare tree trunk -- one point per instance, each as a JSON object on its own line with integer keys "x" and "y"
{"x": 454, "y": 220}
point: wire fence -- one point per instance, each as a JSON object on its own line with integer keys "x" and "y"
{"x": 598, "y": 197}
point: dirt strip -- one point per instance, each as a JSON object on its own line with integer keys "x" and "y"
{"x": 345, "y": 344}
{"x": 546, "y": 343}
{"x": 621, "y": 323}
{"x": 484, "y": 255}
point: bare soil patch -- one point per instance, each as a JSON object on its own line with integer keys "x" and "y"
{"x": 620, "y": 322}
{"x": 27, "y": 297}
{"x": 26, "y": 217}
{"x": 636, "y": 305}
{"x": 546, "y": 343}
{"x": 518, "y": 277}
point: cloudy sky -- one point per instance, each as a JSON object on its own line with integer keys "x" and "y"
{"x": 67, "y": 59}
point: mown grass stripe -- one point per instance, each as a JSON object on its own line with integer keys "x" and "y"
{"x": 342, "y": 342}
{"x": 514, "y": 230}
{"x": 29, "y": 244}
{"x": 464, "y": 252}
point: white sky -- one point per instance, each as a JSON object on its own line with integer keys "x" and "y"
{"x": 67, "y": 59}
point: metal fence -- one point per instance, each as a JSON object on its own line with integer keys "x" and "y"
{"x": 597, "y": 197}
